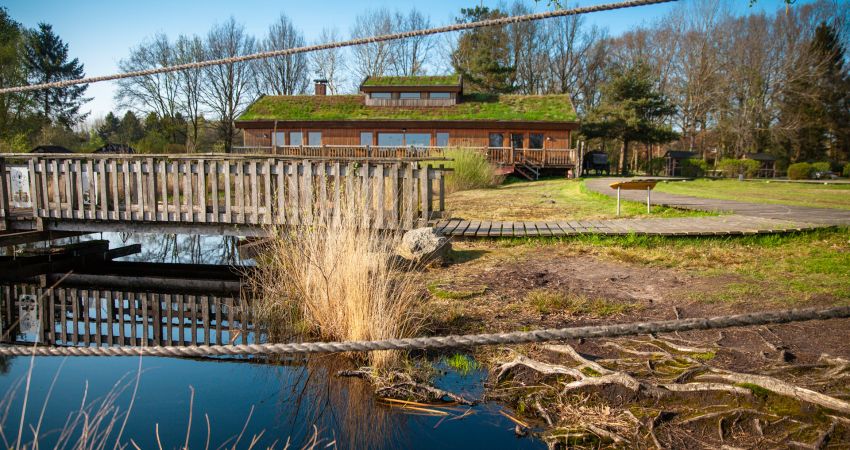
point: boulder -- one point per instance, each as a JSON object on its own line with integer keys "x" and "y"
{"x": 424, "y": 246}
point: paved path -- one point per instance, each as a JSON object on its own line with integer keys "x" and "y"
{"x": 800, "y": 214}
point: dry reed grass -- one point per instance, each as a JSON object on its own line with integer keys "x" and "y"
{"x": 338, "y": 279}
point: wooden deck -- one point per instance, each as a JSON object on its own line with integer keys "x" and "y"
{"x": 502, "y": 156}
{"x": 685, "y": 226}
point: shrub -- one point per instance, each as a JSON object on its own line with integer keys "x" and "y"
{"x": 846, "y": 171}
{"x": 471, "y": 171}
{"x": 822, "y": 167}
{"x": 800, "y": 171}
{"x": 734, "y": 167}
{"x": 656, "y": 166}
{"x": 692, "y": 168}
{"x": 336, "y": 279}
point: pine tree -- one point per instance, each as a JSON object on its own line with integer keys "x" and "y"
{"x": 109, "y": 129}
{"x": 12, "y": 73}
{"x": 46, "y": 59}
{"x": 632, "y": 110}
{"x": 481, "y": 55}
{"x": 130, "y": 129}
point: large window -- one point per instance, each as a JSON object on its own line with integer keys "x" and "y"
{"x": 497, "y": 140}
{"x": 418, "y": 139}
{"x": 295, "y": 138}
{"x": 409, "y": 95}
{"x": 365, "y": 138}
{"x": 279, "y": 138}
{"x": 442, "y": 139}
{"x": 380, "y": 95}
{"x": 390, "y": 139}
{"x": 440, "y": 95}
{"x": 314, "y": 138}
{"x": 535, "y": 140}
{"x": 517, "y": 140}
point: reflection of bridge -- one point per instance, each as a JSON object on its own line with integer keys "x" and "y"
{"x": 209, "y": 194}
{"x": 124, "y": 303}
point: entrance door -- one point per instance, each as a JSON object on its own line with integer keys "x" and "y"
{"x": 517, "y": 140}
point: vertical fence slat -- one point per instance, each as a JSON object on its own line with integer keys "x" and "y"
{"x": 255, "y": 193}
{"x": 202, "y": 191}
{"x": 281, "y": 192}
{"x": 163, "y": 189}
{"x": 214, "y": 190}
{"x": 187, "y": 191}
{"x": 140, "y": 191}
{"x": 68, "y": 211}
{"x": 267, "y": 191}
{"x": 103, "y": 197}
{"x": 113, "y": 183}
{"x": 228, "y": 211}
{"x": 175, "y": 190}
{"x": 56, "y": 209}
{"x": 240, "y": 188}
{"x": 150, "y": 200}
{"x": 127, "y": 214}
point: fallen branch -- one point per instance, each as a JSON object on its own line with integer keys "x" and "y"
{"x": 782, "y": 388}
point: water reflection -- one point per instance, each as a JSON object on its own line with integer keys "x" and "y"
{"x": 145, "y": 302}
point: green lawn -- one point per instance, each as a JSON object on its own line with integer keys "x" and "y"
{"x": 796, "y": 194}
{"x": 552, "y": 199}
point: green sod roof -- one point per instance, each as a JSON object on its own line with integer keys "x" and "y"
{"x": 531, "y": 108}
{"x": 436, "y": 80}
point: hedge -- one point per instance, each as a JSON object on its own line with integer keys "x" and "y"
{"x": 734, "y": 167}
{"x": 800, "y": 171}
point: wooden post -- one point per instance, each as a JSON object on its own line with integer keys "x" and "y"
{"x": 618, "y": 200}
{"x": 648, "y": 203}
{"x": 4, "y": 196}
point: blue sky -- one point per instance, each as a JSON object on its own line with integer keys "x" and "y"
{"x": 100, "y": 32}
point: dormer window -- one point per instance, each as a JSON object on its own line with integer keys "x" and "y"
{"x": 381, "y": 95}
{"x": 409, "y": 95}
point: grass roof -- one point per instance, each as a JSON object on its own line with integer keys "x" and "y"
{"x": 431, "y": 80}
{"x": 532, "y": 108}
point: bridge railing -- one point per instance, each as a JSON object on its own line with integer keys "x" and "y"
{"x": 218, "y": 189}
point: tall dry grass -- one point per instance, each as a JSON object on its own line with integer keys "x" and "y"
{"x": 471, "y": 170}
{"x": 338, "y": 279}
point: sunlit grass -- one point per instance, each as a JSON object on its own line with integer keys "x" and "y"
{"x": 797, "y": 194}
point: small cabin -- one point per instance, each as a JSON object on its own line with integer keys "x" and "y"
{"x": 596, "y": 161}
{"x": 673, "y": 162}
{"x": 767, "y": 164}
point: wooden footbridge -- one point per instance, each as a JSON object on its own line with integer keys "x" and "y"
{"x": 211, "y": 194}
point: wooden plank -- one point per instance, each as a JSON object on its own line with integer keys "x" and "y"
{"x": 127, "y": 214}
{"x": 69, "y": 189}
{"x": 267, "y": 192}
{"x": 214, "y": 191}
{"x": 92, "y": 187}
{"x": 98, "y": 317}
{"x": 140, "y": 191}
{"x": 86, "y": 310}
{"x": 228, "y": 207}
{"x": 394, "y": 199}
{"x": 181, "y": 318}
{"x": 110, "y": 296}
{"x": 151, "y": 203}
{"x": 366, "y": 197}
{"x": 380, "y": 208}
{"x": 337, "y": 199}
{"x": 230, "y": 318}
{"x": 240, "y": 187}
{"x": 280, "y": 192}
{"x": 113, "y": 185}
{"x": 205, "y": 314}
{"x": 193, "y": 318}
{"x": 122, "y": 329}
{"x": 63, "y": 310}
{"x": 57, "y": 200}
{"x": 472, "y": 230}
{"x": 425, "y": 194}
{"x": 131, "y": 300}
{"x": 104, "y": 196}
{"x": 162, "y": 204}
{"x": 307, "y": 185}
{"x": 292, "y": 173}
{"x": 75, "y": 316}
{"x": 175, "y": 190}
{"x": 188, "y": 198}
{"x": 322, "y": 195}
{"x": 216, "y": 303}
{"x": 168, "y": 304}
{"x": 409, "y": 193}
{"x": 202, "y": 191}
{"x": 254, "y": 191}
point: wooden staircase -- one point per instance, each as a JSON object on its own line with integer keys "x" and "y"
{"x": 528, "y": 170}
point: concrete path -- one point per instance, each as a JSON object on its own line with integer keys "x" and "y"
{"x": 797, "y": 214}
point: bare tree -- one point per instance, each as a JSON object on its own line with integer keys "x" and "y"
{"x": 409, "y": 54}
{"x": 283, "y": 75}
{"x": 190, "y": 81}
{"x": 150, "y": 93}
{"x": 375, "y": 59}
{"x": 329, "y": 64}
{"x": 529, "y": 52}
{"x": 229, "y": 87}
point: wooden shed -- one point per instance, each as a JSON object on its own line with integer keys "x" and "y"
{"x": 767, "y": 164}
{"x": 51, "y": 149}
{"x": 673, "y": 160}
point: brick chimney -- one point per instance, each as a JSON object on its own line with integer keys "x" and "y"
{"x": 321, "y": 86}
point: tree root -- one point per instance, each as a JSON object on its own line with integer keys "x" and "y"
{"x": 402, "y": 385}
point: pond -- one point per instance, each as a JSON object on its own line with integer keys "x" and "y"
{"x": 240, "y": 402}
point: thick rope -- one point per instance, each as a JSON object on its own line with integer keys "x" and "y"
{"x": 600, "y": 331}
{"x": 340, "y": 44}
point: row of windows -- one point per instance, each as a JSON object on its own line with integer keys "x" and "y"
{"x": 410, "y": 95}
{"x": 517, "y": 140}
{"x": 398, "y": 139}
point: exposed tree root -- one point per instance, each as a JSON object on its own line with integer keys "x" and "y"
{"x": 401, "y": 385}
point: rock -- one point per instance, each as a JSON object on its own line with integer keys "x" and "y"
{"x": 424, "y": 246}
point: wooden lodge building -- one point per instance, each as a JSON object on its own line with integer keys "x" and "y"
{"x": 415, "y": 116}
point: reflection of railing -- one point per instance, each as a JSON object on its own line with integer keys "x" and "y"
{"x": 76, "y": 316}
{"x": 224, "y": 189}
{"x": 496, "y": 155}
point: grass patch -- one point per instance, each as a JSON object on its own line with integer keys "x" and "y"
{"x": 836, "y": 196}
{"x": 548, "y": 199}
{"x": 462, "y": 364}
{"x": 440, "y": 292}
{"x": 548, "y": 301}
{"x": 470, "y": 170}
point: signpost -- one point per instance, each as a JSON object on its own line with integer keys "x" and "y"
{"x": 635, "y": 185}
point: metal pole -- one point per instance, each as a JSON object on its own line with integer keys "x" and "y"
{"x": 618, "y": 200}
{"x": 648, "y": 195}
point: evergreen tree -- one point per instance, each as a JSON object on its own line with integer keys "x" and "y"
{"x": 632, "y": 110}
{"x": 130, "y": 129}
{"x": 482, "y": 54}
{"x": 109, "y": 129}
{"x": 46, "y": 59}
{"x": 13, "y": 107}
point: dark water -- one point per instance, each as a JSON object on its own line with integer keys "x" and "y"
{"x": 274, "y": 401}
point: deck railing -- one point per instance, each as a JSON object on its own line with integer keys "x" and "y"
{"x": 556, "y": 158}
{"x": 215, "y": 189}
